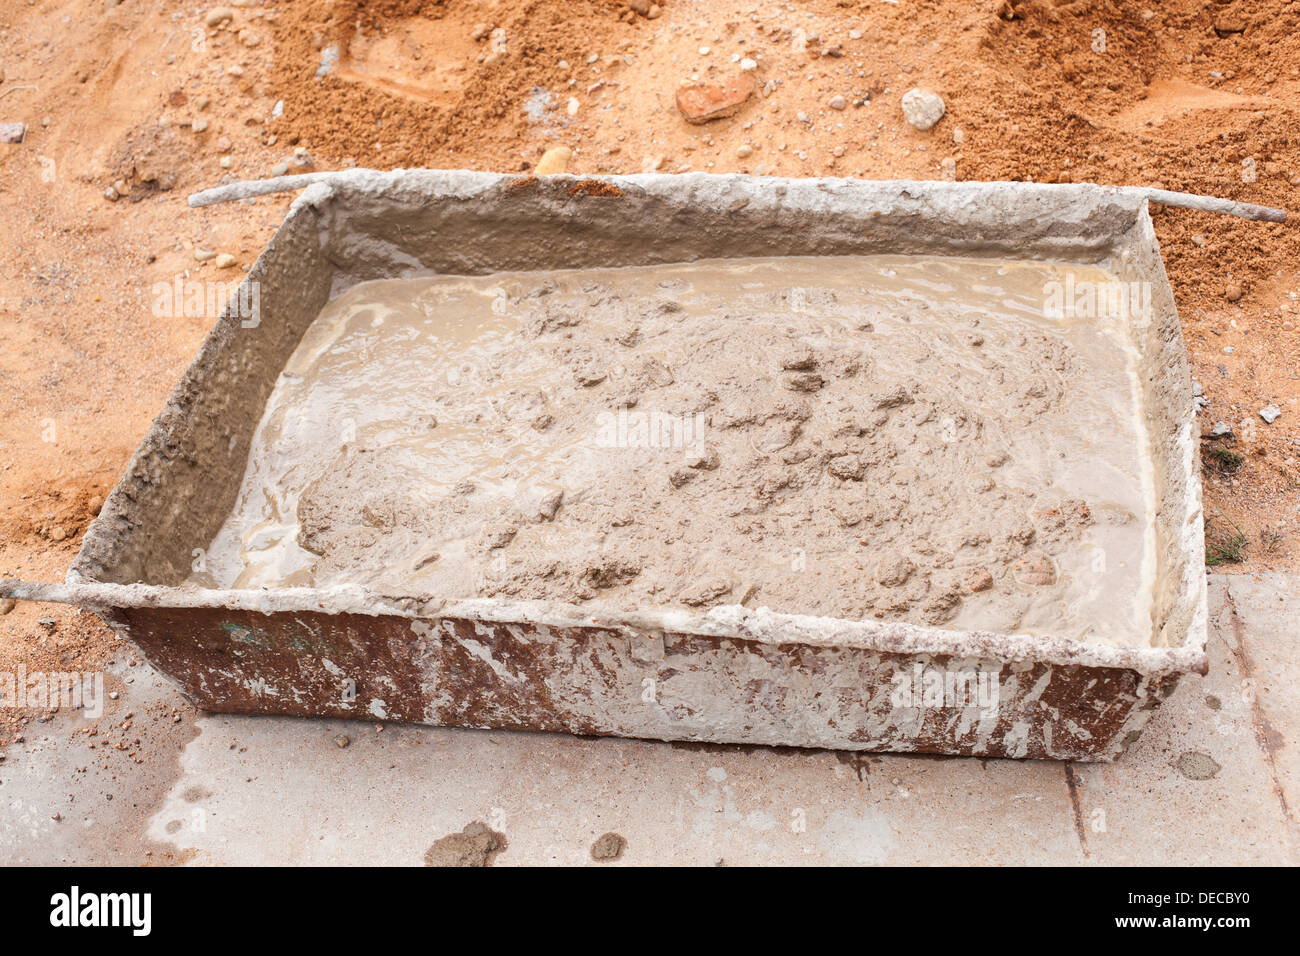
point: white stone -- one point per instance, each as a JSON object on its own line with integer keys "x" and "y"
{"x": 922, "y": 108}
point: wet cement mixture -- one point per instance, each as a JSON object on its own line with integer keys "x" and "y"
{"x": 887, "y": 437}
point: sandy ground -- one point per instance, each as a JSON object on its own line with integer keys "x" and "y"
{"x": 152, "y": 102}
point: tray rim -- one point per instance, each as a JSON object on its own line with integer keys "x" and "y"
{"x": 724, "y": 622}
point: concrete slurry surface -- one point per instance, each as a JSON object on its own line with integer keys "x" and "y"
{"x": 1214, "y": 779}
{"x": 682, "y": 435}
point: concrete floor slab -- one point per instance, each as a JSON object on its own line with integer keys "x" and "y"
{"x": 1211, "y": 781}
{"x": 1207, "y": 792}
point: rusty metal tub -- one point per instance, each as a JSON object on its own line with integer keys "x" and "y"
{"x": 731, "y": 675}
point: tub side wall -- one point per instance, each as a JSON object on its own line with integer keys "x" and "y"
{"x": 631, "y": 682}
{"x": 182, "y": 481}
{"x": 386, "y": 225}
{"x": 1180, "y": 591}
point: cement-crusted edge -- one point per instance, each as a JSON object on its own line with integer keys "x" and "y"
{"x": 726, "y": 621}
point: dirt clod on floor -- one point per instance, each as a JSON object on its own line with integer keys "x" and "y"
{"x": 476, "y": 845}
{"x": 1197, "y": 766}
{"x": 608, "y": 847}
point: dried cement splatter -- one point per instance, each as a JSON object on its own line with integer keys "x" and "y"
{"x": 476, "y": 845}
{"x": 1197, "y": 766}
{"x": 608, "y": 847}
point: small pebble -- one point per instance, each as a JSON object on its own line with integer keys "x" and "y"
{"x": 218, "y": 15}
{"x": 610, "y": 846}
{"x": 554, "y": 161}
{"x": 922, "y": 108}
{"x": 549, "y": 506}
{"x": 704, "y": 458}
{"x": 1270, "y": 413}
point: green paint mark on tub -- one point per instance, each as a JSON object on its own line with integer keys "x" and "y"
{"x": 270, "y": 640}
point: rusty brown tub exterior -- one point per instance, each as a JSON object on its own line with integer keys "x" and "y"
{"x": 731, "y": 675}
